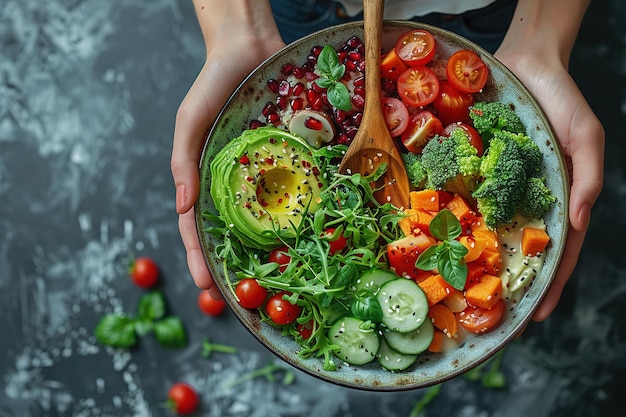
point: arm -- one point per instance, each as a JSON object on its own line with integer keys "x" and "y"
{"x": 537, "y": 48}
{"x": 238, "y": 35}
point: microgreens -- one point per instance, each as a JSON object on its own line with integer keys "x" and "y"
{"x": 448, "y": 256}
{"x": 332, "y": 72}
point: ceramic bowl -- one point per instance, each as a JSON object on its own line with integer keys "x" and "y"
{"x": 246, "y": 104}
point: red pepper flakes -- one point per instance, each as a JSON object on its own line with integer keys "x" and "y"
{"x": 244, "y": 160}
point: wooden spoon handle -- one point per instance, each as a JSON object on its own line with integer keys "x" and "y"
{"x": 373, "y": 24}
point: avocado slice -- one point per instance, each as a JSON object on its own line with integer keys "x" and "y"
{"x": 262, "y": 183}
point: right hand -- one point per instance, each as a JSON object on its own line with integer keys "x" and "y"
{"x": 236, "y": 43}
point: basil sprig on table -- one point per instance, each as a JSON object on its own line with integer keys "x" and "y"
{"x": 448, "y": 256}
{"x": 332, "y": 72}
{"x": 121, "y": 330}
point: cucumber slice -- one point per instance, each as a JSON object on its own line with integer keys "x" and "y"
{"x": 356, "y": 346}
{"x": 404, "y": 305}
{"x": 411, "y": 343}
{"x": 373, "y": 279}
{"x": 392, "y": 360}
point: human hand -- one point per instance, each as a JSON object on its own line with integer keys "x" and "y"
{"x": 581, "y": 136}
{"x": 235, "y": 46}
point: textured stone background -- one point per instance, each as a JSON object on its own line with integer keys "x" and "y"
{"x": 88, "y": 94}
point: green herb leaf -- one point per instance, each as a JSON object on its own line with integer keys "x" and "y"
{"x": 338, "y": 71}
{"x": 208, "y": 348}
{"x": 366, "y": 307}
{"x": 116, "y": 330}
{"x": 143, "y": 326}
{"x": 151, "y": 306}
{"x": 327, "y": 61}
{"x": 452, "y": 269}
{"x": 445, "y": 226}
{"x": 170, "y": 332}
{"x": 339, "y": 96}
{"x": 325, "y": 82}
{"x": 427, "y": 260}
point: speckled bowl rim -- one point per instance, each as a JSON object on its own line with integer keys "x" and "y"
{"x": 431, "y": 368}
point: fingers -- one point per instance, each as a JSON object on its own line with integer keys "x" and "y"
{"x": 195, "y": 257}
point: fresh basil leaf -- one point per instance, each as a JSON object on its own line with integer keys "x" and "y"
{"x": 339, "y": 96}
{"x": 116, "y": 330}
{"x": 366, "y": 307}
{"x": 143, "y": 326}
{"x": 445, "y": 226}
{"x": 346, "y": 275}
{"x": 327, "y": 60}
{"x": 325, "y": 299}
{"x": 457, "y": 249}
{"x": 170, "y": 332}
{"x": 324, "y": 82}
{"x": 452, "y": 269}
{"x": 427, "y": 260}
{"x": 151, "y": 306}
{"x": 338, "y": 71}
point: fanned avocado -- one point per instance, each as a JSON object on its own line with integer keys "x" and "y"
{"x": 262, "y": 183}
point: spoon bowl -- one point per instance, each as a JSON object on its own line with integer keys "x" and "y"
{"x": 373, "y": 145}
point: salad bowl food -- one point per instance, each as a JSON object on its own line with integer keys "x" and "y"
{"x": 331, "y": 282}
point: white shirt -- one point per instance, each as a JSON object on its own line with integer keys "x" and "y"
{"x": 404, "y": 9}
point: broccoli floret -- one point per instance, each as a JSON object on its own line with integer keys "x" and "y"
{"x": 509, "y": 185}
{"x": 451, "y": 164}
{"x": 414, "y": 169}
{"x": 537, "y": 199}
{"x": 491, "y": 117}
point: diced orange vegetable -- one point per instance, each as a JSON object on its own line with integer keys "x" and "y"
{"x": 491, "y": 261}
{"x": 485, "y": 293}
{"x": 391, "y": 66}
{"x": 421, "y": 275}
{"x": 534, "y": 240}
{"x": 436, "y": 345}
{"x": 479, "y": 229}
{"x": 459, "y": 207}
{"x": 417, "y": 220}
{"x": 443, "y": 319}
{"x": 475, "y": 246}
{"x": 455, "y": 301}
{"x": 436, "y": 289}
{"x": 424, "y": 199}
{"x": 475, "y": 270}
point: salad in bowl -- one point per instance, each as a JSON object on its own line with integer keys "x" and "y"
{"x": 362, "y": 293}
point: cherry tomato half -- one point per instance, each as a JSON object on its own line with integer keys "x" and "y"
{"x": 183, "y": 398}
{"x": 337, "y": 244}
{"x": 279, "y": 255}
{"x": 467, "y": 71}
{"x": 422, "y": 127}
{"x": 209, "y": 305}
{"x": 251, "y": 295}
{"x": 282, "y": 311}
{"x": 416, "y": 47}
{"x": 481, "y": 320}
{"x": 452, "y": 105}
{"x": 144, "y": 272}
{"x": 418, "y": 86}
{"x": 396, "y": 115}
{"x": 472, "y": 135}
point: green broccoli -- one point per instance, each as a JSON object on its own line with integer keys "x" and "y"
{"x": 491, "y": 117}
{"x": 414, "y": 169}
{"x": 451, "y": 164}
{"x": 507, "y": 184}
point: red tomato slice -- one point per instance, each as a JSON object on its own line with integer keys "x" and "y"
{"x": 396, "y": 115}
{"x": 472, "y": 135}
{"x": 452, "y": 105}
{"x": 416, "y": 47}
{"x": 403, "y": 254}
{"x": 480, "y": 320}
{"x": 418, "y": 86}
{"x": 422, "y": 127}
{"x": 467, "y": 71}
{"x": 391, "y": 66}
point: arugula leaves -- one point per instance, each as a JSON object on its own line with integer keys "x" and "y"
{"x": 332, "y": 72}
{"x": 121, "y": 330}
{"x": 448, "y": 256}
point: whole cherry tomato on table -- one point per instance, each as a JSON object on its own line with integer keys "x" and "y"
{"x": 182, "y": 398}
{"x": 144, "y": 272}
{"x": 210, "y": 305}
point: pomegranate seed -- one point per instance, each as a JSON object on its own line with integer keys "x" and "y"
{"x": 310, "y": 76}
{"x": 268, "y": 109}
{"x": 317, "y": 103}
{"x": 351, "y": 131}
{"x": 360, "y": 66}
{"x": 272, "y": 84}
{"x": 358, "y": 100}
{"x": 357, "y": 118}
{"x": 325, "y": 99}
{"x": 317, "y": 88}
{"x": 274, "y": 119}
{"x": 255, "y": 124}
{"x": 287, "y": 69}
{"x": 299, "y": 72}
{"x": 339, "y": 115}
{"x": 350, "y": 65}
{"x": 316, "y": 50}
{"x": 284, "y": 88}
{"x": 343, "y": 139}
{"x": 311, "y": 59}
{"x": 359, "y": 82}
{"x": 342, "y": 56}
{"x": 354, "y": 56}
{"x": 313, "y": 123}
{"x": 360, "y": 90}
{"x": 312, "y": 95}
{"x": 389, "y": 86}
{"x": 298, "y": 89}
{"x": 297, "y": 103}
{"x": 354, "y": 42}
{"x": 281, "y": 102}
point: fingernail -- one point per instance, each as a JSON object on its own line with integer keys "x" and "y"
{"x": 584, "y": 215}
{"x": 181, "y": 197}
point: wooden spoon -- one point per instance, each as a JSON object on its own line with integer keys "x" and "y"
{"x": 373, "y": 145}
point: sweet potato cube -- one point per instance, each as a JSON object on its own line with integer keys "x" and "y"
{"x": 436, "y": 288}
{"x": 424, "y": 199}
{"x": 485, "y": 293}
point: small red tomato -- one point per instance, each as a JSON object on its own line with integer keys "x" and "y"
{"x": 423, "y": 126}
{"x": 279, "y": 255}
{"x": 144, "y": 272}
{"x": 183, "y": 398}
{"x": 305, "y": 329}
{"x": 472, "y": 135}
{"x": 336, "y": 245}
{"x": 396, "y": 115}
{"x": 251, "y": 295}
{"x": 282, "y": 311}
{"x": 210, "y": 305}
{"x": 467, "y": 71}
